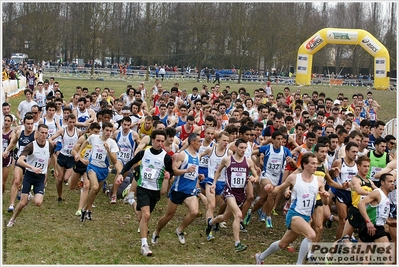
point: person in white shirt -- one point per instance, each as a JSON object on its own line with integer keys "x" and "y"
{"x": 26, "y": 105}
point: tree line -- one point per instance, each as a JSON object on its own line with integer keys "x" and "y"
{"x": 258, "y": 36}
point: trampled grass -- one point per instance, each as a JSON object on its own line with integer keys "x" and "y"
{"x": 52, "y": 234}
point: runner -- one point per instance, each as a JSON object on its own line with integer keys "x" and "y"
{"x": 103, "y": 154}
{"x": 34, "y": 158}
{"x": 81, "y": 162}
{"x": 23, "y": 136}
{"x": 237, "y": 173}
{"x": 155, "y": 170}
{"x": 185, "y": 169}
{"x": 65, "y": 160}
{"x": 275, "y": 156}
{"x": 305, "y": 187}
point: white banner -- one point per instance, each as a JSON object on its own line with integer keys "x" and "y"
{"x": 342, "y": 36}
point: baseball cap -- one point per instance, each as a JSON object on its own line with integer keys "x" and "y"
{"x": 337, "y": 102}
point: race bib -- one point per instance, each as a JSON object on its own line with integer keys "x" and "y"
{"x": 149, "y": 174}
{"x": 191, "y": 175}
{"x": 238, "y": 179}
{"x": 374, "y": 171}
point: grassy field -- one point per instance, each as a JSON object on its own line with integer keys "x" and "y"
{"x": 53, "y": 235}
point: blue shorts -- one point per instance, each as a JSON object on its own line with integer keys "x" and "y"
{"x": 203, "y": 170}
{"x": 291, "y": 213}
{"x": 344, "y": 196}
{"x": 219, "y": 185}
{"x": 102, "y": 173}
{"x": 178, "y": 197}
{"x": 58, "y": 146}
{"x": 35, "y": 180}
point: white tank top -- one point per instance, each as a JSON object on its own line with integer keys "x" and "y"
{"x": 347, "y": 172}
{"x": 40, "y": 98}
{"x": 248, "y": 151}
{"x": 68, "y": 142}
{"x": 274, "y": 164}
{"x": 379, "y": 214}
{"x": 52, "y": 127}
{"x": 82, "y": 117}
{"x": 39, "y": 158}
{"x": 203, "y": 163}
{"x": 303, "y": 196}
{"x": 214, "y": 162}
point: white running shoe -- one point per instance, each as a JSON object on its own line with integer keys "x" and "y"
{"x": 11, "y": 223}
{"x": 145, "y": 250}
{"x": 257, "y": 258}
{"x": 180, "y": 235}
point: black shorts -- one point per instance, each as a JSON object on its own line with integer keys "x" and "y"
{"x": 344, "y": 196}
{"x": 31, "y": 178}
{"x": 80, "y": 167}
{"x": 319, "y": 203}
{"x": 146, "y": 197}
{"x": 16, "y": 165}
{"x": 365, "y": 237}
{"x": 65, "y": 161}
{"x": 355, "y": 219}
{"x": 178, "y": 197}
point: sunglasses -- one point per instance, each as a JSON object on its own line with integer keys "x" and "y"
{"x": 392, "y": 143}
{"x": 35, "y": 112}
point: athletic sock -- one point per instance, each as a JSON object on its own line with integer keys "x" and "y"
{"x": 144, "y": 241}
{"x": 236, "y": 243}
{"x": 273, "y": 248}
{"x": 303, "y": 250}
{"x": 210, "y": 222}
{"x": 268, "y": 217}
{"x": 331, "y": 217}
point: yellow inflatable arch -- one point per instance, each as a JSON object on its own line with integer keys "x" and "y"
{"x": 343, "y": 36}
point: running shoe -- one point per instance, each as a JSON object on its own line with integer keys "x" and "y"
{"x": 248, "y": 217}
{"x": 11, "y": 223}
{"x": 83, "y": 215}
{"x": 180, "y": 235}
{"x": 88, "y": 215}
{"x": 208, "y": 227}
{"x": 242, "y": 228}
{"x": 269, "y": 223}
{"x": 263, "y": 217}
{"x": 216, "y": 227}
{"x": 328, "y": 224}
{"x": 59, "y": 199}
{"x": 259, "y": 211}
{"x": 257, "y": 259}
{"x": 353, "y": 239}
{"x": 240, "y": 247}
{"x": 10, "y": 208}
{"x": 222, "y": 225}
{"x": 210, "y": 237}
{"x": 154, "y": 238}
{"x": 145, "y": 250}
{"x": 113, "y": 200}
{"x": 274, "y": 212}
{"x": 78, "y": 213}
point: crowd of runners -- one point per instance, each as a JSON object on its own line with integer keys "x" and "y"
{"x": 323, "y": 157}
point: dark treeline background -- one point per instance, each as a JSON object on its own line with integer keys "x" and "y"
{"x": 256, "y": 36}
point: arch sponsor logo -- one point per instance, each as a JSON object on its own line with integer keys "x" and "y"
{"x": 314, "y": 42}
{"x": 342, "y": 36}
{"x": 370, "y": 45}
